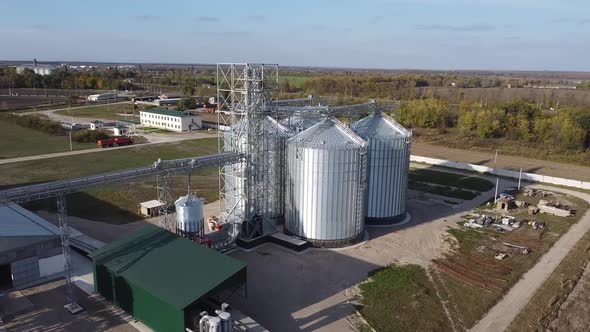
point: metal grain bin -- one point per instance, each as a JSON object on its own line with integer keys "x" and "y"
{"x": 326, "y": 179}
{"x": 388, "y": 166}
{"x": 189, "y": 216}
{"x": 303, "y": 119}
{"x": 275, "y": 141}
{"x": 277, "y": 152}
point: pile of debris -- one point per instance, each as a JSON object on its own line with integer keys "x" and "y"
{"x": 531, "y": 192}
{"x": 555, "y": 208}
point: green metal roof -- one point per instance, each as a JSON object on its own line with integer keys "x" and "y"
{"x": 174, "y": 269}
{"x": 162, "y": 111}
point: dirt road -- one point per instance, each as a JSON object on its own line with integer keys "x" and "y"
{"x": 502, "y": 314}
{"x": 551, "y": 168}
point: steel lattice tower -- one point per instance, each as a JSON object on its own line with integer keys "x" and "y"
{"x": 246, "y": 95}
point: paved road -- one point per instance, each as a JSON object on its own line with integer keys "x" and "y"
{"x": 504, "y": 312}
{"x": 580, "y": 173}
{"x": 152, "y": 137}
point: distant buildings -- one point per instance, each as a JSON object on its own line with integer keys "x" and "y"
{"x": 102, "y": 97}
{"x": 170, "y": 120}
{"x": 38, "y": 69}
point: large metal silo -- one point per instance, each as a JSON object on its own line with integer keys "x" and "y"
{"x": 189, "y": 216}
{"x": 388, "y": 167}
{"x": 326, "y": 180}
{"x": 303, "y": 119}
{"x": 275, "y": 141}
{"x": 278, "y": 135}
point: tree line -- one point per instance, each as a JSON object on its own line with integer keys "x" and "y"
{"x": 565, "y": 129}
{"x": 62, "y": 78}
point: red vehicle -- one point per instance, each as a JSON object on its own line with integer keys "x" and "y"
{"x": 118, "y": 141}
{"x": 123, "y": 141}
{"x": 105, "y": 143}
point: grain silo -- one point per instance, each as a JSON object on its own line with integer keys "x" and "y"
{"x": 277, "y": 153}
{"x": 326, "y": 180}
{"x": 275, "y": 141}
{"x": 303, "y": 119}
{"x": 189, "y": 216}
{"x": 388, "y": 166}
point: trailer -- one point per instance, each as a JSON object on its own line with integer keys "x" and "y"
{"x": 117, "y": 141}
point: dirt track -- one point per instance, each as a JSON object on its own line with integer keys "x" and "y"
{"x": 504, "y": 312}
{"x": 551, "y": 168}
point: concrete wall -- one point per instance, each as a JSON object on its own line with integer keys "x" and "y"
{"x": 24, "y": 271}
{"x": 51, "y": 265}
{"x": 530, "y": 177}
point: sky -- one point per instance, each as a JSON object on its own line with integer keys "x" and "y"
{"x": 394, "y": 34}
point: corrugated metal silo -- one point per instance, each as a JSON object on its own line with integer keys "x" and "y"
{"x": 326, "y": 180}
{"x": 278, "y": 136}
{"x": 303, "y": 119}
{"x": 189, "y": 216}
{"x": 276, "y": 144}
{"x": 388, "y": 167}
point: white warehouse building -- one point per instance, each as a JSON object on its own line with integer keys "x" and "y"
{"x": 170, "y": 120}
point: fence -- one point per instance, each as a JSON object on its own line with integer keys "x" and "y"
{"x": 531, "y": 177}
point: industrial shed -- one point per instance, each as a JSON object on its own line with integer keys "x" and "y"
{"x": 30, "y": 248}
{"x": 162, "y": 279}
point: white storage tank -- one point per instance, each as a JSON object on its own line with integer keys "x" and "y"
{"x": 326, "y": 179}
{"x": 189, "y": 216}
{"x": 388, "y": 167}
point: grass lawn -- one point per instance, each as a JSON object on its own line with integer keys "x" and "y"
{"x": 18, "y": 141}
{"x": 465, "y": 187}
{"x": 473, "y": 281}
{"x": 117, "y": 203}
{"x": 108, "y": 112}
{"x": 469, "y": 182}
{"x": 544, "y": 307}
{"x": 402, "y": 298}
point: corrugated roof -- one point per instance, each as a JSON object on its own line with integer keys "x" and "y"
{"x": 176, "y": 270}
{"x": 379, "y": 125}
{"x": 17, "y": 221}
{"x": 20, "y": 227}
{"x": 270, "y": 124}
{"x": 329, "y": 134}
{"x": 166, "y": 112}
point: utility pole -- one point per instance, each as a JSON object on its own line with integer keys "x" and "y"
{"x": 519, "y": 178}
{"x": 496, "y": 195}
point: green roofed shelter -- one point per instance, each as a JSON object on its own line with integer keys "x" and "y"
{"x": 161, "y": 278}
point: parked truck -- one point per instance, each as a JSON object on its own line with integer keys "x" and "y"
{"x": 117, "y": 141}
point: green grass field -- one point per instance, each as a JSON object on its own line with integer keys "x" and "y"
{"x": 18, "y": 141}
{"x": 108, "y": 112}
{"x": 402, "y": 298}
{"x": 465, "y": 187}
{"x": 117, "y": 203}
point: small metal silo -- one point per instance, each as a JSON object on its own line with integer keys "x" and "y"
{"x": 189, "y": 216}
{"x": 388, "y": 167}
{"x": 326, "y": 180}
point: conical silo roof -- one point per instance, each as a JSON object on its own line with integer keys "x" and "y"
{"x": 380, "y": 126}
{"x": 329, "y": 134}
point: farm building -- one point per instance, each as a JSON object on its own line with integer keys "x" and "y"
{"x": 163, "y": 280}
{"x": 170, "y": 120}
{"x": 30, "y": 248}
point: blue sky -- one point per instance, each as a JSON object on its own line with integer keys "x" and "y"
{"x": 420, "y": 34}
